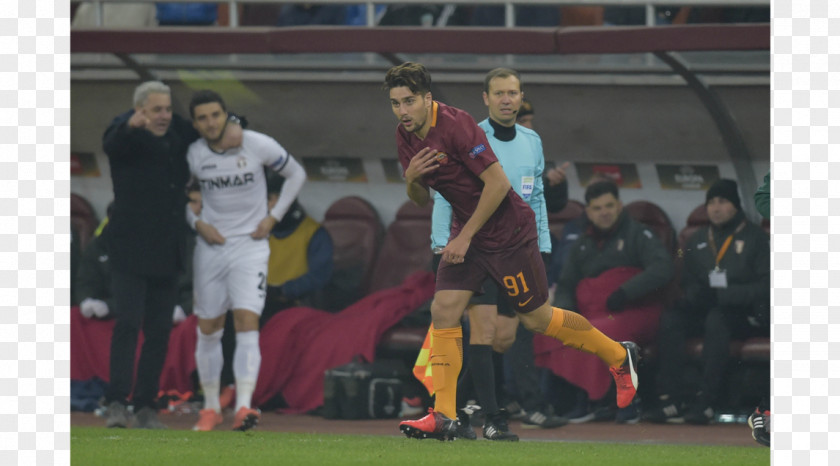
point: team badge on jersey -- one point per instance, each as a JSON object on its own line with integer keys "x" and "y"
{"x": 442, "y": 158}
{"x": 241, "y": 162}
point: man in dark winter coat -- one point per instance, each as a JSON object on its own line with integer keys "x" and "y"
{"x": 612, "y": 239}
{"x": 726, "y": 295}
{"x": 611, "y": 276}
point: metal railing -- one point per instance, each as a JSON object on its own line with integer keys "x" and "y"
{"x": 510, "y": 12}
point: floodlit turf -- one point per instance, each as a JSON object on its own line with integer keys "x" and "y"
{"x": 96, "y": 445}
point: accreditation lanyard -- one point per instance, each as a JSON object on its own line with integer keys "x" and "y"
{"x": 726, "y": 243}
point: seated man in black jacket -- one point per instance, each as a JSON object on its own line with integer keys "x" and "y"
{"x": 93, "y": 283}
{"x": 612, "y": 276}
{"x": 726, "y": 295}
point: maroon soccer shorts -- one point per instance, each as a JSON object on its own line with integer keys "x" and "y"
{"x": 519, "y": 272}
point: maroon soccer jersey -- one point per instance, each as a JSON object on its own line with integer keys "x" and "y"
{"x": 463, "y": 154}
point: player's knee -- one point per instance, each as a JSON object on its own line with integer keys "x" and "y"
{"x": 245, "y": 320}
{"x": 483, "y": 336}
{"x": 446, "y": 313}
{"x": 503, "y": 343}
{"x": 504, "y": 340}
{"x": 210, "y": 326}
{"x": 505, "y": 332}
{"x": 533, "y": 323}
{"x": 482, "y": 325}
{"x": 210, "y": 338}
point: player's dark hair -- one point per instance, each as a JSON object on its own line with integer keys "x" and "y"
{"x": 598, "y": 189}
{"x": 414, "y": 76}
{"x": 501, "y": 73}
{"x": 205, "y": 96}
{"x": 527, "y": 108}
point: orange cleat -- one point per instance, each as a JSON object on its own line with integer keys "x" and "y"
{"x": 207, "y": 420}
{"x": 246, "y": 419}
{"x": 434, "y": 425}
{"x": 626, "y": 375}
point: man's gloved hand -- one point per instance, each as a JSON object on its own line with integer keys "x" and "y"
{"x": 759, "y": 315}
{"x": 93, "y": 308}
{"x": 178, "y": 314}
{"x": 617, "y": 300}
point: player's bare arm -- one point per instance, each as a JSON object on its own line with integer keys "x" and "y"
{"x": 496, "y": 186}
{"x": 295, "y": 177}
{"x": 209, "y": 233}
{"x": 231, "y": 136}
{"x": 557, "y": 175}
{"x": 422, "y": 163}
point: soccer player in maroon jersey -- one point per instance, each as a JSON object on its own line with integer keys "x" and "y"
{"x": 493, "y": 235}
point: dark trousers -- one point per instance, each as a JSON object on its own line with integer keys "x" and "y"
{"x": 139, "y": 303}
{"x": 523, "y": 376}
{"x": 718, "y": 326}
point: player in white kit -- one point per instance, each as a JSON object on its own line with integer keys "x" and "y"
{"x": 231, "y": 254}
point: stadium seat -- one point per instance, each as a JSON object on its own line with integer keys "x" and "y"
{"x": 696, "y": 219}
{"x": 654, "y": 217}
{"x": 407, "y": 247}
{"x": 82, "y": 219}
{"x": 756, "y": 349}
{"x": 651, "y": 215}
{"x": 557, "y": 220}
{"x": 694, "y": 350}
{"x": 357, "y": 232}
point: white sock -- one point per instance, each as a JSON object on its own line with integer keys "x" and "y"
{"x": 246, "y": 366}
{"x": 208, "y": 361}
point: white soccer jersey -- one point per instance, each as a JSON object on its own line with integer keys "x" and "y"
{"x": 233, "y": 186}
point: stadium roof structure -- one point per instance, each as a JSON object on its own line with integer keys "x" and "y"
{"x": 474, "y": 40}
{"x": 697, "y": 55}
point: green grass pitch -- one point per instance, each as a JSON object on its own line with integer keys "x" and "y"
{"x": 98, "y": 445}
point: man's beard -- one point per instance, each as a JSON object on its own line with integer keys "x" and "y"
{"x": 221, "y": 135}
{"x": 418, "y": 126}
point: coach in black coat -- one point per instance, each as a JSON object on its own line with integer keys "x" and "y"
{"x": 149, "y": 175}
{"x": 146, "y": 149}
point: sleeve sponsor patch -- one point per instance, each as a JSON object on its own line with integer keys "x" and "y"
{"x": 477, "y": 150}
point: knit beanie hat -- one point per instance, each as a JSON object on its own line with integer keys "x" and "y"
{"x": 726, "y": 189}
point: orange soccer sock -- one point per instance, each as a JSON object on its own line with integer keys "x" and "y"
{"x": 446, "y": 360}
{"x": 576, "y": 331}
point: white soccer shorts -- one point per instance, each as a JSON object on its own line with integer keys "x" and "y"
{"x": 230, "y": 276}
